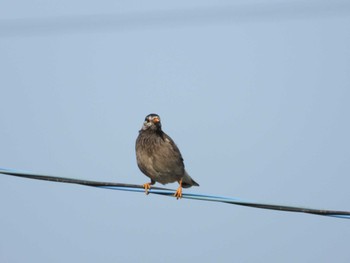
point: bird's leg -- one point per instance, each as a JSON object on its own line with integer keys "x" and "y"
{"x": 178, "y": 193}
{"x": 147, "y": 186}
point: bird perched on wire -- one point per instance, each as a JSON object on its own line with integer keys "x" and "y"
{"x": 159, "y": 158}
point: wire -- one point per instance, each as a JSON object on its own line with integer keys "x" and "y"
{"x": 170, "y": 192}
{"x": 169, "y": 18}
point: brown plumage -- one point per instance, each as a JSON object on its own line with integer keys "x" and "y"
{"x": 159, "y": 158}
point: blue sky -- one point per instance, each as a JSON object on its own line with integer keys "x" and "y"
{"x": 259, "y": 107}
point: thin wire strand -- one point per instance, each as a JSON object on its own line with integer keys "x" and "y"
{"x": 170, "y": 192}
{"x": 198, "y": 16}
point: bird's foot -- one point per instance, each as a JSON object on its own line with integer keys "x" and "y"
{"x": 147, "y": 186}
{"x": 178, "y": 193}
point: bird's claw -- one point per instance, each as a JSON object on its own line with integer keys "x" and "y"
{"x": 147, "y": 186}
{"x": 178, "y": 193}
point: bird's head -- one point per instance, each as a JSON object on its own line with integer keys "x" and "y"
{"x": 152, "y": 122}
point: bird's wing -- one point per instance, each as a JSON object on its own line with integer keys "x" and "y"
{"x": 167, "y": 158}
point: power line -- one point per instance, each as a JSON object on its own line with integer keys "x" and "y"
{"x": 170, "y": 192}
{"x": 172, "y": 18}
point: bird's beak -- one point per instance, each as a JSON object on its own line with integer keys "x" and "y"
{"x": 156, "y": 120}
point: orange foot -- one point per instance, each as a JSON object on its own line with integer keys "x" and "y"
{"x": 178, "y": 193}
{"x": 147, "y": 186}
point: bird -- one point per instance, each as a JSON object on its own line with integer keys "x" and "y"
{"x": 159, "y": 158}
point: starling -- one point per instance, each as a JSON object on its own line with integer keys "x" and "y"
{"x": 159, "y": 158}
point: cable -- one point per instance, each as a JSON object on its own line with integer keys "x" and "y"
{"x": 170, "y": 192}
{"x": 198, "y": 16}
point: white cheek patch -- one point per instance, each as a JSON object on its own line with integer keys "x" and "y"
{"x": 146, "y": 125}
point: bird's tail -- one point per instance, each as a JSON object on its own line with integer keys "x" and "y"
{"x": 187, "y": 181}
